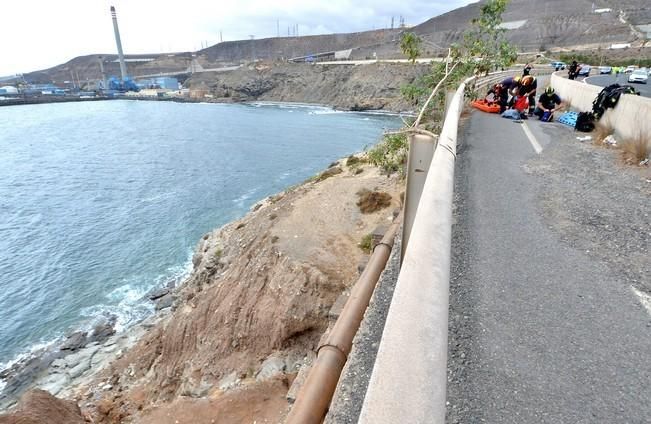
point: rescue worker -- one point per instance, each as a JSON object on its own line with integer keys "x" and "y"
{"x": 527, "y": 69}
{"x": 504, "y": 88}
{"x": 548, "y": 102}
{"x": 573, "y": 70}
{"x": 527, "y": 87}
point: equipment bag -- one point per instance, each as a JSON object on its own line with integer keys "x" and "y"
{"x": 608, "y": 98}
{"x": 585, "y": 122}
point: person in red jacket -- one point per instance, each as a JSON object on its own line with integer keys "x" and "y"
{"x": 527, "y": 88}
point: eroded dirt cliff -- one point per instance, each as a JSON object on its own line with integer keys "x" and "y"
{"x": 252, "y": 312}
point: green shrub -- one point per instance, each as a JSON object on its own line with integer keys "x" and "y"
{"x": 390, "y": 154}
{"x": 366, "y": 244}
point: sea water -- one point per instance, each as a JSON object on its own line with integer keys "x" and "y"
{"x": 102, "y": 201}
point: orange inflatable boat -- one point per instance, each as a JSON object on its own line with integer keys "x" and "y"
{"x": 482, "y": 104}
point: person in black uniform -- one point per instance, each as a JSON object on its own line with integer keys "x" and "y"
{"x": 527, "y": 69}
{"x": 549, "y": 102}
{"x": 573, "y": 70}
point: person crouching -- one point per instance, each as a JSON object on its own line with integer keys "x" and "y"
{"x": 548, "y": 103}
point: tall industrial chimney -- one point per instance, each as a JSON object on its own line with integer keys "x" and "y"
{"x": 123, "y": 66}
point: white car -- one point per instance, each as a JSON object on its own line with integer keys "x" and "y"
{"x": 639, "y": 75}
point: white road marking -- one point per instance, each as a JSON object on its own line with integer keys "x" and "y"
{"x": 644, "y": 299}
{"x": 532, "y": 138}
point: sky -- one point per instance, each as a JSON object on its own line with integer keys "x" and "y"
{"x": 38, "y": 34}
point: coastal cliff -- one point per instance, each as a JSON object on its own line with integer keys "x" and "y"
{"x": 252, "y": 312}
{"x": 347, "y": 87}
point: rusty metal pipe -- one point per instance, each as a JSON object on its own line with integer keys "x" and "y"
{"x": 314, "y": 397}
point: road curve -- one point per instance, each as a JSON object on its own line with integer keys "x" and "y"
{"x": 605, "y": 80}
{"x": 541, "y": 331}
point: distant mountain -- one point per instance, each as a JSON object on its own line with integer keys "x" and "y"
{"x": 533, "y": 25}
{"x": 540, "y": 25}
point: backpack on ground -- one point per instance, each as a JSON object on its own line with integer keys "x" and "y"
{"x": 585, "y": 122}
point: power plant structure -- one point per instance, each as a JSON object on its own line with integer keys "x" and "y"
{"x": 124, "y": 83}
{"x": 116, "y": 30}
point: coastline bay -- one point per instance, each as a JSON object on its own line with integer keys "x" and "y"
{"x": 104, "y": 201}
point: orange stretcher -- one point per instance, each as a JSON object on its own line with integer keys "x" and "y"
{"x": 489, "y": 107}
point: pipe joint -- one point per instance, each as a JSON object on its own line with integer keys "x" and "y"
{"x": 383, "y": 243}
{"x": 338, "y": 349}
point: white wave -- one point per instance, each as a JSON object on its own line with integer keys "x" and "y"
{"x": 128, "y": 303}
{"x": 157, "y": 197}
{"x": 245, "y": 196}
{"x": 292, "y": 106}
{"x": 30, "y": 352}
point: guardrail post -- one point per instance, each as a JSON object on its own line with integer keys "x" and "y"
{"x": 421, "y": 151}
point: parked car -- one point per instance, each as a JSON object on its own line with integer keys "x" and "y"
{"x": 558, "y": 65}
{"x": 630, "y": 69}
{"x": 639, "y": 75}
{"x": 605, "y": 69}
{"x": 584, "y": 71}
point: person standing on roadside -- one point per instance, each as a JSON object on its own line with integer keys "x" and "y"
{"x": 573, "y": 70}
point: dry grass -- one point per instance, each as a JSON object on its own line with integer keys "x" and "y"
{"x": 371, "y": 201}
{"x": 635, "y": 150}
{"x": 354, "y": 161}
{"x": 601, "y": 131}
{"x": 328, "y": 173}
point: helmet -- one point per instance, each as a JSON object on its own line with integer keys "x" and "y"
{"x": 549, "y": 90}
{"x": 527, "y": 80}
{"x": 517, "y": 79}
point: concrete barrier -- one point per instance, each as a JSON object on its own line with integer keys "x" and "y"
{"x": 630, "y": 118}
{"x": 408, "y": 383}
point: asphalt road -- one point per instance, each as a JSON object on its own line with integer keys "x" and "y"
{"x": 540, "y": 330}
{"x": 604, "y": 80}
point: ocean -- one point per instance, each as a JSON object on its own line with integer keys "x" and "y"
{"x": 100, "y": 202}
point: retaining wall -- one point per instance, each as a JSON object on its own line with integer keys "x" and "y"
{"x": 630, "y": 118}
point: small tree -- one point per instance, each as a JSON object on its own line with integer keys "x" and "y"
{"x": 410, "y": 46}
{"x": 485, "y": 41}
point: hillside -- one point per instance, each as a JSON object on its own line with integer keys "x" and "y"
{"x": 533, "y": 26}
{"x": 553, "y": 23}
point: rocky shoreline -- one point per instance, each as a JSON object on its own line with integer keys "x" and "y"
{"x": 269, "y": 294}
{"x": 75, "y": 359}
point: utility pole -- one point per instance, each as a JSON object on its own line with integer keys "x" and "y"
{"x": 101, "y": 70}
{"x": 278, "y": 28}
{"x": 220, "y": 36}
{"x": 392, "y": 22}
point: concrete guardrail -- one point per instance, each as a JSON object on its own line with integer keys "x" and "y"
{"x": 409, "y": 379}
{"x": 408, "y": 383}
{"x": 630, "y": 118}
